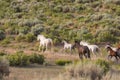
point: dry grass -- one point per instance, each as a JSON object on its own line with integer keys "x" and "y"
{"x": 34, "y": 72}
{"x": 4, "y": 68}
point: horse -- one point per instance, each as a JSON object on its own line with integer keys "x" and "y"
{"x": 112, "y": 53}
{"x": 82, "y": 50}
{"x": 113, "y": 48}
{"x": 44, "y": 42}
{"x": 67, "y": 45}
{"x": 93, "y": 48}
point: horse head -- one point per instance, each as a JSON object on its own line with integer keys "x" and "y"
{"x": 76, "y": 43}
{"x": 63, "y": 42}
{"x": 108, "y": 47}
{"x": 40, "y": 37}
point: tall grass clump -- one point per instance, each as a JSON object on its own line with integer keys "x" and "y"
{"x": 2, "y": 34}
{"x": 18, "y": 59}
{"x": 4, "y": 67}
{"x": 21, "y": 59}
{"x": 30, "y": 37}
{"x": 86, "y": 70}
{"x": 103, "y": 64}
{"x": 63, "y": 62}
{"x": 36, "y": 58}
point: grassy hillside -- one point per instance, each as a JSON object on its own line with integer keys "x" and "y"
{"x": 91, "y": 20}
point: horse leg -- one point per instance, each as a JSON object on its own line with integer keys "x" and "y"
{"x": 80, "y": 56}
{"x": 109, "y": 56}
{"x": 85, "y": 54}
{"x": 94, "y": 53}
{"x": 42, "y": 48}
{"x": 88, "y": 54}
{"x": 99, "y": 51}
{"x": 46, "y": 47}
{"x": 116, "y": 57}
{"x": 71, "y": 50}
{"x": 39, "y": 47}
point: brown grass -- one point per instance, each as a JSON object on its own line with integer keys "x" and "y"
{"x": 34, "y": 72}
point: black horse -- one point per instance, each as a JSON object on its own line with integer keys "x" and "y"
{"x": 82, "y": 50}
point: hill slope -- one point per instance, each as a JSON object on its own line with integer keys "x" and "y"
{"x": 90, "y": 20}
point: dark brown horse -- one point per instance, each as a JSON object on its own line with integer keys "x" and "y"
{"x": 82, "y": 50}
{"x": 113, "y": 53}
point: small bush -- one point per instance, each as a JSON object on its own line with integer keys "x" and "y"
{"x": 20, "y": 38}
{"x": 24, "y": 30}
{"x": 2, "y": 34}
{"x": 4, "y": 68}
{"x": 86, "y": 70}
{"x": 104, "y": 64}
{"x": 58, "y": 8}
{"x": 29, "y": 37}
{"x": 5, "y": 41}
{"x": 2, "y": 53}
{"x": 18, "y": 59}
{"x": 37, "y": 29}
{"x": 37, "y": 58}
{"x": 63, "y": 62}
{"x": 106, "y": 36}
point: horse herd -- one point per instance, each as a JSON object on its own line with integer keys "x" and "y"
{"x": 83, "y": 47}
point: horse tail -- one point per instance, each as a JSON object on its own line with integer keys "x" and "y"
{"x": 98, "y": 51}
{"x": 88, "y": 52}
{"x": 51, "y": 42}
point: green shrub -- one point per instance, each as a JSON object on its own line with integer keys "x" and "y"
{"x": 63, "y": 62}
{"x": 66, "y": 9}
{"x": 29, "y": 37}
{"x": 84, "y": 70}
{"x": 37, "y": 58}
{"x": 105, "y": 36}
{"x": 18, "y": 59}
{"x": 20, "y": 38}
{"x": 58, "y": 9}
{"x": 2, "y": 34}
{"x": 28, "y": 22}
{"x": 24, "y": 30}
{"x": 5, "y": 41}
{"x": 4, "y": 68}
{"x": 2, "y": 53}
{"x": 37, "y": 29}
{"x": 104, "y": 64}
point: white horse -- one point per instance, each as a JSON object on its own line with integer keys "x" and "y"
{"x": 67, "y": 45}
{"x": 44, "y": 42}
{"x": 93, "y": 48}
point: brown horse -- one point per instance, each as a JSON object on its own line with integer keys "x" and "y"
{"x": 112, "y": 53}
{"x": 82, "y": 50}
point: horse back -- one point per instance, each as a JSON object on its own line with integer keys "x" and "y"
{"x": 86, "y": 48}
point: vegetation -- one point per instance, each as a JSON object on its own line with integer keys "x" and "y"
{"x": 37, "y": 58}
{"x": 4, "y": 68}
{"x": 18, "y": 59}
{"x": 94, "y": 21}
{"x": 63, "y": 62}
{"x": 104, "y": 64}
{"x": 62, "y": 19}
{"x": 21, "y": 59}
